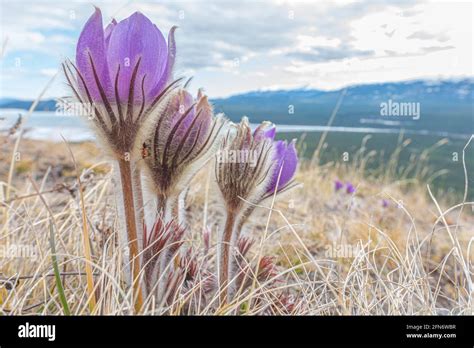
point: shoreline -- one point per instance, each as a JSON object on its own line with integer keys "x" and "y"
{"x": 84, "y": 134}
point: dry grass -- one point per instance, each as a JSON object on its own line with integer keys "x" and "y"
{"x": 335, "y": 253}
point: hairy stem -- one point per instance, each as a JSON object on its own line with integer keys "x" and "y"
{"x": 179, "y": 208}
{"x": 166, "y": 207}
{"x": 131, "y": 227}
{"x": 140, "y": 212}
{"x": 224, "y": 257}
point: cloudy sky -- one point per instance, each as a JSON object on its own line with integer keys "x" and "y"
{"x": 233, "y": 46}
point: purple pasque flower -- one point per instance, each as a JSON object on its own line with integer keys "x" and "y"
{"x": 266, "y": 165}
{"x": 180, "y": 142}
{"x": 338, "y": 185}
{"x": 250, "y": 167}
{"x": 244, "y": 165}
{"x": 385, "y": 203}
{"x": 350, "y": 189}
{"x": 129, "y": 54}
{"x": 122, "y": 71}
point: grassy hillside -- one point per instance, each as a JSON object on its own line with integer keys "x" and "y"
{"x": 387, "y": 248}
{"x": 438, "y": 159}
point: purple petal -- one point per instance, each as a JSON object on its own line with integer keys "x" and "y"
{"x": 167, "y": 72}
{"x": 179, "y": 105}
{"x": 91, "y": 46}
{"x": 286, "y": 161}
{"x": 185, "y": 100}
{"x": 197, "y": 123}
{"x": 290, "y": 161}
{"x": 132, "y": 39}
{"x": 350, "y": 188}
{"x": 264, "y": 130}
{"x": 270, "y": 133}
{"x": 338, "y": 185}
{"x": 108, "y": 32}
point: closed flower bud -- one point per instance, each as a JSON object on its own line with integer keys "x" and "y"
{"x": 182, "y": 140}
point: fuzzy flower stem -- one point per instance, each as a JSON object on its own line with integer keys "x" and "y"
{"x": 179, "y": 208}
{"x": 224, "y": 258}
{"x": 140, "y": 216}
{"x": 131, "y": 226}
{"x": 165, "y": 207}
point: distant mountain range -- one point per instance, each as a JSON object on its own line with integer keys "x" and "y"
{"x": 443, "y": 105}
{"x": 446, "y": 105}
{"x": 43, "y": 105}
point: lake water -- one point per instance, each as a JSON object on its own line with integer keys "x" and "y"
{"x": 49, "y": 126}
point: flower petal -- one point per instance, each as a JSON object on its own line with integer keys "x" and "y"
{"x": 270, "y": 133}
{"x": 350, "y": 188}
{"x": 177, "y": 106}
{"x": 167, "y": 72}
{"x": 264, "y": 130}
{"x": 134, "y": 39}
{"x": 205, "y": 111}
{"x": 108, "y": 32}
{"x": 197, "y": 123}
{"x": 91, "y": 46}
{"x": 286, "y": 160}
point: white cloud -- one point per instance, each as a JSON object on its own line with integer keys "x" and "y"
{"x": 49, "y": 72}
{"x": 234, "y": 46}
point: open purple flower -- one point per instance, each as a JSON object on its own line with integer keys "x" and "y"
{"x": 130, "y": 54}
{"x": 338, "y": 185}
{"x": 122, "y": 71}
{"x": 121, "y": 75}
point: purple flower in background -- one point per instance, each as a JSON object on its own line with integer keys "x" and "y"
{"x": 338, "y": 185}
{"x": 384, "y": 203}
{"x": 350, "y": 188}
